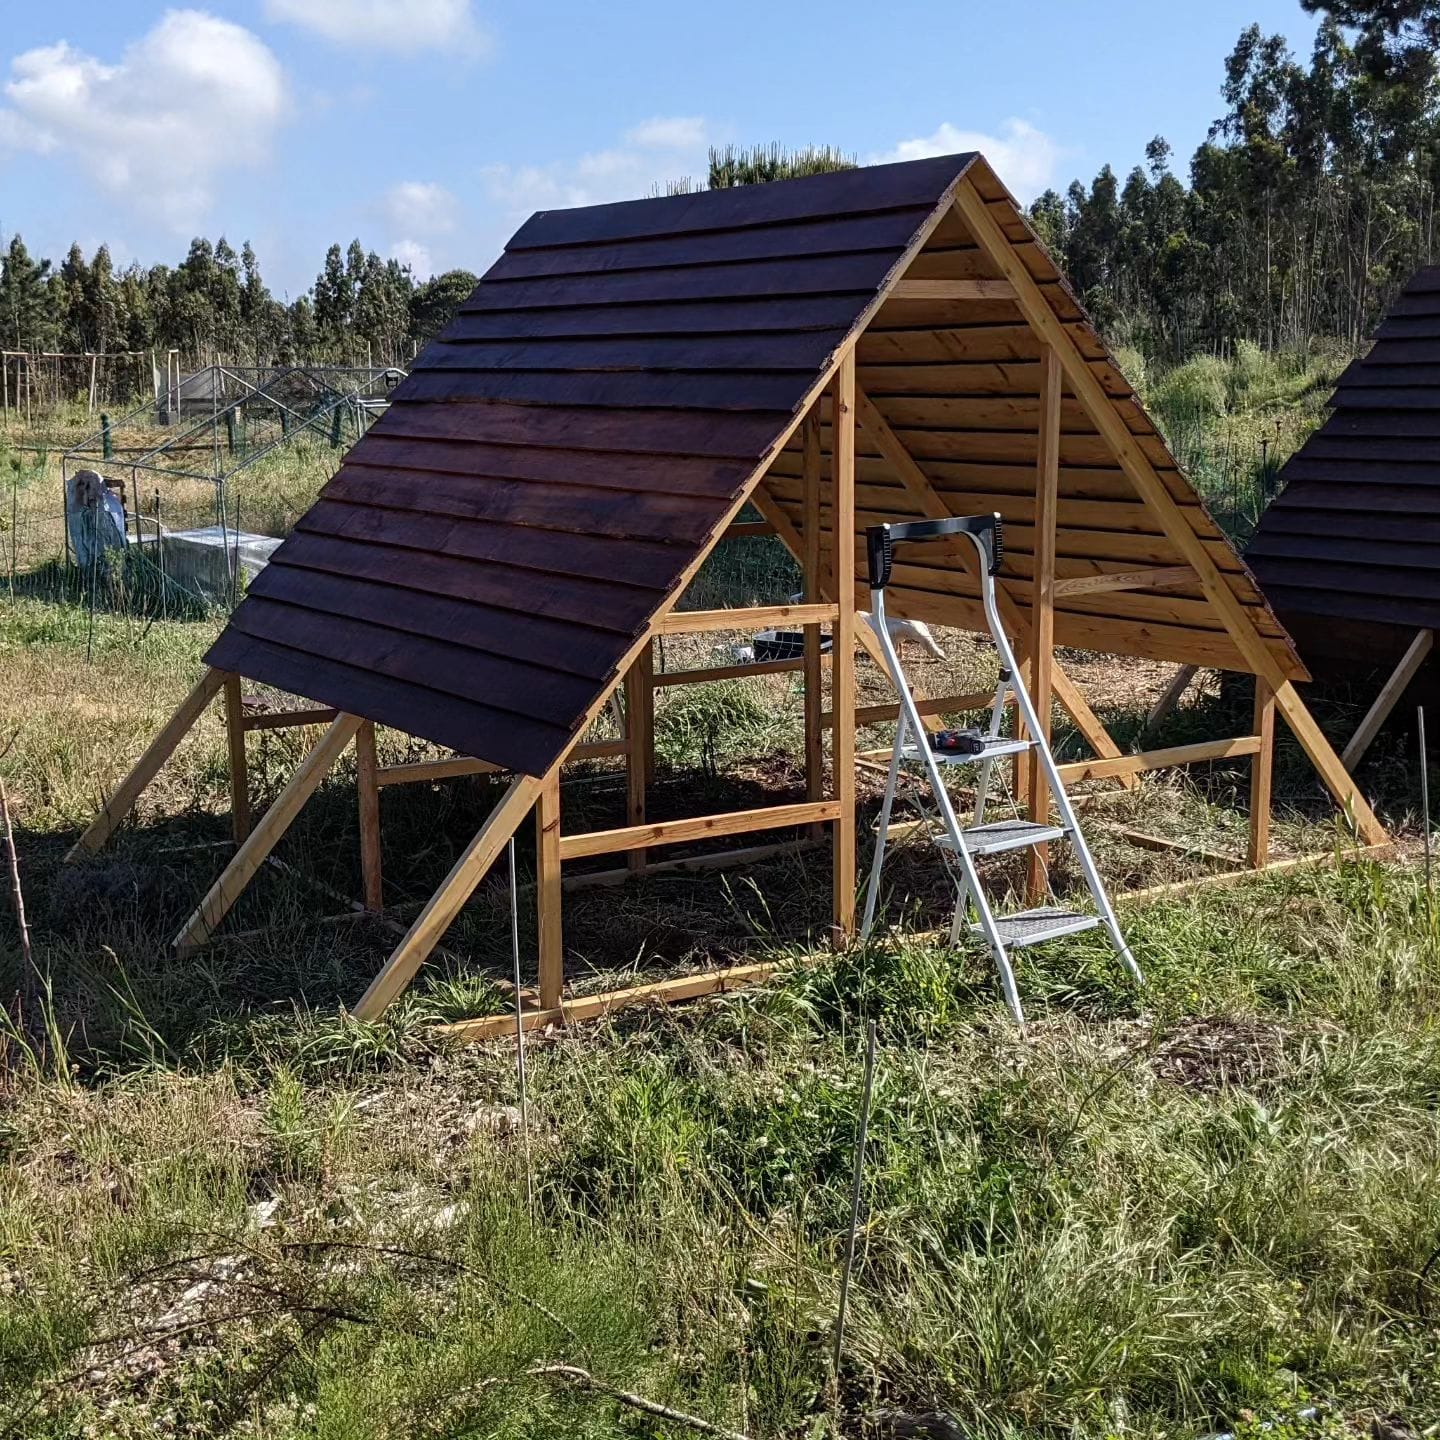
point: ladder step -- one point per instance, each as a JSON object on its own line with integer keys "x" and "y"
{"x": 1032, "y": 927}
{"x": 993, "y": 750}
{"x": 1001, "y": 835}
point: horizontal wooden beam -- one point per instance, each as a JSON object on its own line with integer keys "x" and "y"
{"x": 725, "y": 672}
{"x": 942, "y": 705}
{"x": 743, "y": 528}
{"x": 686, "y": 622}
{"x": 1317, "y": 861}
{"x": 589, "y": 1007}
{"x": 1162, "y": 578}
{"x": 690, "y": 864}
{"x": 951, "y": 290}
{"x": 287, "y": 719}
{"x": 698, "y": 827}
{"x": 428, "y": 771}
{"x": 1159, "y": 759}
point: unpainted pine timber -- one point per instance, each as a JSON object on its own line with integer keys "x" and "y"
{"x": 590, "y": 1007}
{"x": 549, "y": 904}
{"x": 1042, "y": 611}
{"x": 939, "y": 705}
{"x": 696, "y": 827}
{"x": 952, "y": 290}
{"x": 1318, "y": 861}
{"x": 1388, "y": 698}
{"x": 708, "y": 674}
{"x": 686, "y": 622}
{"x": 690, "y": 864}
{"x": 639, "y": 696}
{"x": 160, "y": 749}
{"x": 367, "y": 790}
{"x": 428, "y": 771}
{"x": 264, "y": 837}
{"x": 1161, "y": 578}
{"x": 810, "y": 570}
{"x": 1077, "y": 770}
{"x": 743, "y": 528}
{"x": 410, "y": 954}
{"x": 1262, "y": 772}
{"x": 444, "y": 905}
{"x": 923, "y": 493}
{"x": 842, "y": 650}
{"x": 1137, "y": 465}
{"x": 239, "y": 767}
{"x": 1166, "y": 704}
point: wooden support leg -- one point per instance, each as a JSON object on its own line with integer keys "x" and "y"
{"x": 810, "y": 568}
{"x": 1388, "y": 698}
{"x": 445, "y": 904}
{"x": 639, "y": 695}
{"x": 161, "y": 748}
{"x": 1166, "y": 704}
{"x": 842, "y": 650}
{"x": 262, "y": 840}
{"x": 548, "y": 894}
{"x": 1042, "y": 608}
{"x": 367, "y": 787}
{"x": 239, "y": 768}
{"x": 1262, "y": 770}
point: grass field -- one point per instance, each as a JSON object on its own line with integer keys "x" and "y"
{"x": 227, "y": 1208}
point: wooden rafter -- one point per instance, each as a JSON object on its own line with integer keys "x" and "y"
{"x": 1257, "y": 653}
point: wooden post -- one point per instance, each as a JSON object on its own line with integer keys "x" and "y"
{"x": 548, "y": 895}
{"x": 810, "y": 568}
{"x": 239, "y": 769}
{"x": 842, "y": 649}
{"x": 1042, "y": 607}
{"x": 367, "y": 788}
{"x": 262, "y": 840}
{"x": 1262, "y": 770}
{"x": 122, "y": 802}
{"x": 639, "y": 700}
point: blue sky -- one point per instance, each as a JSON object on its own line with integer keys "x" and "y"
{"x": 431, "y": 128}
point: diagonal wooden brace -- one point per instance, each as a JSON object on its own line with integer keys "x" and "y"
{"x": 265, "y": 836}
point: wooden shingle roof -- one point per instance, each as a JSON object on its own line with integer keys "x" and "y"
{"x": 575, "y": 439}
{"x": 1355, "y": 532}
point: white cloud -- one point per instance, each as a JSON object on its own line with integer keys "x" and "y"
{"x": 421, "y": 207}
{"x": 394, "y": 26}
{"x": 673, "y": 132}
{"x": 1026, "y": 159}
{"x": 416, "y": 255}
{"x": 658, "y": 150}
{"x": 193, "y": 98}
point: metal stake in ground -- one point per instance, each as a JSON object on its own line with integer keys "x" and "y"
{"x": 855, "y": 1185}
{"x": 1424, "y": 795}
{"x": 520, "y": 1029}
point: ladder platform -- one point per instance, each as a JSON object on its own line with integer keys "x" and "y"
{"x": 1033, "y": 927}
{"x": 994, "y": 749}
{"x": 999, "y": 835}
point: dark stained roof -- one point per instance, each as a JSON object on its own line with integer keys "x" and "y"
{"x": 623, "y": 375}
{"x": 490, "y": 550}
{"x": 1355, "y": 532}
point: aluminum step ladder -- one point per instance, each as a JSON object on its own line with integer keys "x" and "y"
{"x": 963, "y": 845}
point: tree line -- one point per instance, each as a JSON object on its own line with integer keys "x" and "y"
{"x": 215, "y": 302}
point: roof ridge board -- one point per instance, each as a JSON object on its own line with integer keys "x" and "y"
{"x": 863, "y": 190}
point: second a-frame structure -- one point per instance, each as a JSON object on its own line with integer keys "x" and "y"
{"x": 497, "y": 555}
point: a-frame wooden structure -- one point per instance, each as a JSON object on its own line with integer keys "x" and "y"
{"x": 496, "y": 557}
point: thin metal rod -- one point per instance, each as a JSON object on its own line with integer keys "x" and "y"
{"x": 855, "y": 1186}
{"x": 520, "y": 1030}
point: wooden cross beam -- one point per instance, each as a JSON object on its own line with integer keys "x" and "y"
{"x": 1257, "y": 653}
